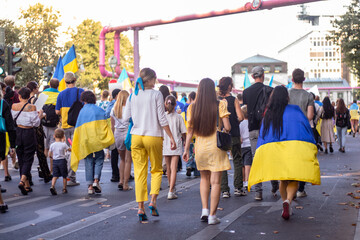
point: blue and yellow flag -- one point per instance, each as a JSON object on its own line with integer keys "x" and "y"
{"x": 69, "y": 65}
{"x": 52, "y": 95}
{"x": 125, "y": 80}
{"x": 292, "y": 156}
{"x": 92, "y": 134}
{"x": 59, "y": 74}
{"x": 246, "y": 80}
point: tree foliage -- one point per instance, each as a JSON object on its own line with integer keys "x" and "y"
{"x": 39, "y": 37}
{"x": 347, "y": 36}
{"x": 86, "y": 40}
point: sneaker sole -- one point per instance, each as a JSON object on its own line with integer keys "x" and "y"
{"x": 204, "y": 218}
{"x": 286, "y": 211}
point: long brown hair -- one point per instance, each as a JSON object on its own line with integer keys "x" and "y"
{"x": 120, "y": 102}
{"x": 204, "y": 109}
{"x": 341, "y": 108}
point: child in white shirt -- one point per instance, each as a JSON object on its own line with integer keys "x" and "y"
{"x": 57, "y": 156}
{"x": 245, "y": 146}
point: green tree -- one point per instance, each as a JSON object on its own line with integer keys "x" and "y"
{"x": 86, "y": 41}
{"x": 347, "y": 36}
{"x": 39, "y": 37}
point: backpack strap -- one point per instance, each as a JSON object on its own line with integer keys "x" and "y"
{"x": 20, "y": 112}
{"x": 1, "y": 108}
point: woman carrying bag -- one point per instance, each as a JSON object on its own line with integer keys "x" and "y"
{"x": 203, "y": 116}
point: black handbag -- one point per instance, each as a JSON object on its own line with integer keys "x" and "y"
{"x": 223, "y": 139}
{"x": 74, "y": 111}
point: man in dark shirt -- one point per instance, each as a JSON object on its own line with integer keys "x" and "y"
{"x": 255, "y": 99}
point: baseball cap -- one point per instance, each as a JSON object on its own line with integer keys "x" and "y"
{"x": 257, "y": 71}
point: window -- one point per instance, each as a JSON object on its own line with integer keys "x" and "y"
{"x": 326, "y": 43}
{"x": 338, "y": 70}
{"x": 330, "y": 53}
{"x": 244, "y": 69}
{"x": 326, "y": 54}
{"x": 330, "y": 43}
{"x": 327, "y": 70}
{"x": 322, "y": 70}
{"x": 278, "y": 68}
{"x": 267, "y": 69}
{"x": 322, "y": 43}
{"x": 314, "y": 43}
{"x": 319, "y": 75}
{"x": 311, "y": 70}
{"x": 315, "y": 75}
{"x": 330, "y": 70}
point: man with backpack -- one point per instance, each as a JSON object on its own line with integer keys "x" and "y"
{"x": 51, "y": 119}
{"x": 67, "y": 100}
{"x": 256, "y": 97}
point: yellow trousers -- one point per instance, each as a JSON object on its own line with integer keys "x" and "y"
{"x": 143, "y": 147}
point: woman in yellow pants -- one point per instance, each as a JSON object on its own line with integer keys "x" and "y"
{"x": 147, "y": 110}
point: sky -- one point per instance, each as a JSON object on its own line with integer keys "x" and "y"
{"x": 190, "y": 51}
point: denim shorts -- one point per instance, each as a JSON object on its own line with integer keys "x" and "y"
{"x": 60, "y": 168}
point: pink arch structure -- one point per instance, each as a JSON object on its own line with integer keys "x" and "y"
{"x": 254, "y": 6}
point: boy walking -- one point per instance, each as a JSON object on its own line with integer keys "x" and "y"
{"x": 57, "y": 156}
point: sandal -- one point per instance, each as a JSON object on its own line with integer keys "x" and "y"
{"x": 121, "y": 186}
{"x": 153, "y": 210}
{"x": 21, "y": 186}
{"x": 64, "y": 191}
{"x": 7, "y": 178}
{"x": 142, "y": 216}
{"x": 53, "y": 191}
{"x": 28, "y": 189}
{"x": 128, "y": 188}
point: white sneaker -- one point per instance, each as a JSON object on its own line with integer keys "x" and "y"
{"x": 72, "y": 183}
{"x": 212, "y": 220}
{"x": 204, "y": 215}
{"x": 171, "y": 195}
{"x": 97, "y": 187}
{"x": 91, "y": 191}
{"x": 301, "y": 194}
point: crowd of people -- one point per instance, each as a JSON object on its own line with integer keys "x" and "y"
{"x": 156, "y": 126}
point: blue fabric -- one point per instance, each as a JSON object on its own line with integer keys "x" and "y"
{"x": 108, "y": 109}
{"x": 139, "y": 81}
{"x": 179, "y": 105}
{"x": 128, "y": 136}
{"x": 354, "y": 106}
{"x": 185, "y": 110}
{"x": 89, "y": 113}
{"x": 318, "y": 102}
{"x": 67, "y": 97}
{"x": 295, "y": 127}
{"x": 52, "y": 90}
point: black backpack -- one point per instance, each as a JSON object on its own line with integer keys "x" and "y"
{"x": 74, "y": 110}
{"x": 260, "y": 105}
{"x": 51, "y": 119}
{"x": 342, "y": 119}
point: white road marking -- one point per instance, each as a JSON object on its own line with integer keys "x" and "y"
{"x": 15, "y": 198}
{"x": 78, "y": 225}
{"x": 327, "y": 197}
{"x": 93, "y": 202}
{"x": 30, "y": 200}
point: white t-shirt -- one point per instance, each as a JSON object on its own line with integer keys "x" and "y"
{"x": 120, "y": 123}
{"x": 58, "y": 150}
{"x": 244, "y": 133}
{"x": 177, "y": 127}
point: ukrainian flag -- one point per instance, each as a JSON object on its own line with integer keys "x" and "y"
{"x": 246, "y": 80}
{"x": 91, "y": 134}
{"x": 52, "y": 95}
{"x": 69, "y": 63}
{"x": 125, "y": 80}
{"x": 292, "y": 156}
{"x": 59, "y": 74}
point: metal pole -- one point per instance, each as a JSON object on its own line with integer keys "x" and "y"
{"x": 2, "y": 36}
{"x": 136, "y": 54}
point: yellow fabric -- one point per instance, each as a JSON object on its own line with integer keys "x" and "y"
{"x": 62, "y": 85}
{"x": 288, "y": 160}
{"x": 318, "y": 126}
{"x": 7, "y": 146}
{"x": 143, "y": 148}
{"x": 354, "y": 115}
{"x": 88, "y": 138}
{"x": 52, "y": 97}
{"x": 208, "y": 155}
{"x": 64, "y": 117}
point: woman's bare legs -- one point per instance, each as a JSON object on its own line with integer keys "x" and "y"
{"x": 215, "y": 180}
{"x": 127, "y": 169}
{"x": 205, "y": 188}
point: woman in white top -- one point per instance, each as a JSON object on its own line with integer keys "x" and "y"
{"x": 146, "y": 108}
{"x": 178, "y": 129}
{"x": 120, "y": 128}
{"x": 26, "y": 117}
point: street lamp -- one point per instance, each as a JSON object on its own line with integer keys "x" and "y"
{"x": 113, "y": 63}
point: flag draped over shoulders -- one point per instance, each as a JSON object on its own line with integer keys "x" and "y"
{"x": 290, "y": 156}
{"x": 91, "y": 134}
{"x": 52, "y": 95}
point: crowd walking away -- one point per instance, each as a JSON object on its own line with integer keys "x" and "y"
{"x": 212, "y": 130}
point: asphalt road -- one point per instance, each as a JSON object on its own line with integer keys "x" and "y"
{"x": 328, "y": 212}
